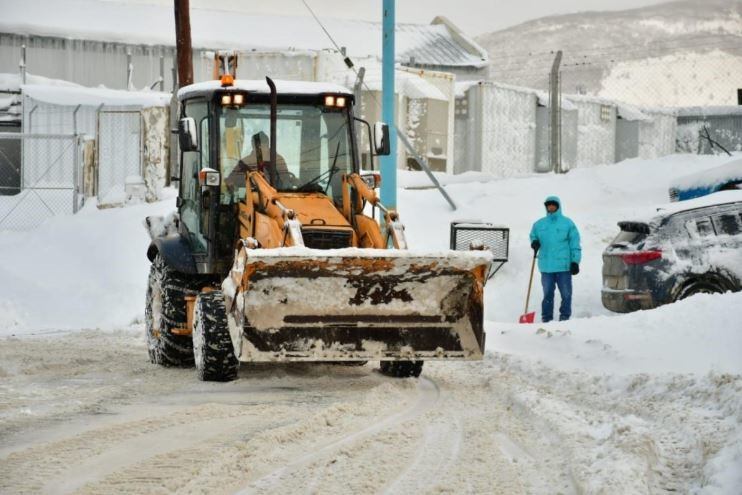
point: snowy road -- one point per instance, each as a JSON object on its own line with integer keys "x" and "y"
{"x": 85, "y": 412}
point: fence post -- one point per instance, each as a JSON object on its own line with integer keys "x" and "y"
{"x": 555, "y": 113}
{"x": 96, "y": 175}
{"x": 30, "y": 118}
{"x": 74, "y": 119}
{"x": 129, "y": 70}
{"x": 75, "y": 176}
{"x": 162, "y": 72}
{"x": 142, "y": 143}
{"x": 23, "y": 64}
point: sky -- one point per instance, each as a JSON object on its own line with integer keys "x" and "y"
{"x": 474, "y": 17}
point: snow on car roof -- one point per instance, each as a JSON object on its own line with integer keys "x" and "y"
{"x": 717, "y": 198}
{"x": 260, "y": 86}
{"x": 706, "y": 178}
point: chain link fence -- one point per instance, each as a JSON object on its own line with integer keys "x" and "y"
{"x": 692, "y": 73}
{"x": 40, "y": 177}
{"x": 120, "y": 153}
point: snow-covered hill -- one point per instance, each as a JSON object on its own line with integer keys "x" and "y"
{"x": 674, "y": 54}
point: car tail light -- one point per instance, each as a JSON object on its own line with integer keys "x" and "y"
{"x": 641, "y": 257}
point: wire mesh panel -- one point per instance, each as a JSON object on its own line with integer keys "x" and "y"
{"x": 39, "y": 178}
{"x": 119, "y": 153}
{"x": 466, "y": 235}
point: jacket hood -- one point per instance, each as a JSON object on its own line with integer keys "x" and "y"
{"x": 556, "y": 200}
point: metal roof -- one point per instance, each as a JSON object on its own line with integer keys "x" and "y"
{"x": 439, "y": 44}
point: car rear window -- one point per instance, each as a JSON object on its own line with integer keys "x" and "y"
{"x": 631, "y": 233}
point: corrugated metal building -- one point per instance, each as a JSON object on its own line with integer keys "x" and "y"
{"x": 97, "y": 48}
{"x": 91, "y": 49}
{"x": 505, "y": 130}
{"x": 722, "y": 124}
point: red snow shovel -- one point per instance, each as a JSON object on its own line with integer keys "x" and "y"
{"x": 527, "y": 317}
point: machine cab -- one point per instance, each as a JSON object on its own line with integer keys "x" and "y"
{"x": 225, "y": 133}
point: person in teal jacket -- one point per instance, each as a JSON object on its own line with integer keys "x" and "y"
{"x": 556, "y": 242}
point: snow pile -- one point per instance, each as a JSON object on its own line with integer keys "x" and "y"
{"x": 80, "y": 271}
{"x": 697, "y": 335}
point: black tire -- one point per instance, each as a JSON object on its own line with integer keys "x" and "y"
{"x": 165, "y": 310}
{"x": 698, "y": 287}
{"x": 212, "y": 345}
{"x": 401, "y": 369}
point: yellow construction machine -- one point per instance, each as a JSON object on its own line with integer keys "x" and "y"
{"x": 277, "y": 252}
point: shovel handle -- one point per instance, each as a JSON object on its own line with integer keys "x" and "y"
{"x": 530, "y": 282}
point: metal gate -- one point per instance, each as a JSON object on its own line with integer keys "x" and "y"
{"x": 39, "y": 178}
{"x": 120, "y": 153}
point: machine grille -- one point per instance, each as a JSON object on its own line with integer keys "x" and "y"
{"x": 326, "y": 238}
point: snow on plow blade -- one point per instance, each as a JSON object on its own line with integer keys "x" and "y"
{"x": 356, "y": 304}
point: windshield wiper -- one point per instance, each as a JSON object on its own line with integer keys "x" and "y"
{"x": 333, "y": 169}
{"x": 313, "y": 186}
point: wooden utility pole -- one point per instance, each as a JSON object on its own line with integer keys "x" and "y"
{"x": 183, "y": 42}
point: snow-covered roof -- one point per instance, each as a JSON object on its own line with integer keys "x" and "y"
{"x": 81, "y": 95}
{"x": 712, "y": 111}
{"x": 10, "y": 94}
{"x": 717, "y": 198}
{"x": 437, "y": 44}
{"x": 12, "y": 81}
{"x": 261, "y": 86}
{"x": 407, "y": 83}
{"x": 631, "y": 113}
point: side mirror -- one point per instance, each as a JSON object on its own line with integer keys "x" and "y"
{"x": 187, "y": 134}
{"x": 382, "y": 146}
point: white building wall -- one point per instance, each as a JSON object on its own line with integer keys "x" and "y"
{"x": 508, "y": 129}
{"x": 596, "y": 133}
{"x": 292, "y": 66}
{"x": 657, "y": 136}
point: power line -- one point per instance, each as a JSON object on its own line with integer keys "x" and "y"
{"x": 347, "y": 59}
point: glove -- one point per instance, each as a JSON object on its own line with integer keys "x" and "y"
{"x": 574, "y": 268}
{"x": 535, "y": 245}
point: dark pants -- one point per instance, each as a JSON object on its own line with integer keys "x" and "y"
{"x": 549, "y": 281}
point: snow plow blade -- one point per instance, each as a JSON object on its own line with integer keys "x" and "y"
{"x": 298, "y": 304}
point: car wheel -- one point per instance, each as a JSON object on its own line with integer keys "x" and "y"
{"x": 698, "y": 287}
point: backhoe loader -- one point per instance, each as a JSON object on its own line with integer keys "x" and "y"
{"x": 282, "y": 251}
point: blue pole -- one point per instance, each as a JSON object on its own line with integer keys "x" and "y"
{"x": 388, "y": 163}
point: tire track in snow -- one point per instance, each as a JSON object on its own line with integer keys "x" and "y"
{"x": 429, "y": 395}
{"x": 66, "y": 465}
{"x": 439, "y": 450}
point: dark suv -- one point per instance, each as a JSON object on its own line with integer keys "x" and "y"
{"x": 689, "y": 249}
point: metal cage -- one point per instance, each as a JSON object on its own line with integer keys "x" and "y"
{"x": 468, "y": 234}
